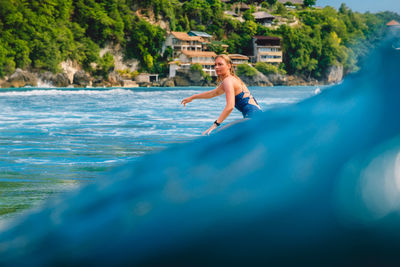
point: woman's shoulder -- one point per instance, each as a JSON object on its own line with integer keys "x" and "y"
{"x": 231, "y": 80}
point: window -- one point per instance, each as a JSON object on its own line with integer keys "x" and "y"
{"x": 269, "y": 49}
{"x": 270, "y": 57}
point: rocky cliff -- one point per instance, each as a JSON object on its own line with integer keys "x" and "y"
{"x": 184, "y": 77}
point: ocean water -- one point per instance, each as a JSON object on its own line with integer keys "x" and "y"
{"x": 313, "y": 183}
{"x": 53, "y": 140}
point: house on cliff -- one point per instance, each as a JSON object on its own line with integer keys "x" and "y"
{"x": 292, "y": 2}
{"x": 204, "y": 58}
{"x": 267, "y": 49}
{"x": 188, "y": 49}
{"x": 181, "y": 41}
{"x": 393, "y": 25}
{"x": 238, "y": 59}
{"x": 192, "y": 48}
{"x": 206, "y": 37}
{"x": 240, "y": 7}
{"x": 188, "y": 58}
{"x": 263, "y": 18}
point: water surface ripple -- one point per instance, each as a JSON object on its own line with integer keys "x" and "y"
{"x": 52, "y": 140}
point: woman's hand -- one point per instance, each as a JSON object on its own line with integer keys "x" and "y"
{"x": 209, "y": 130}
{"x": 186, "y": 100}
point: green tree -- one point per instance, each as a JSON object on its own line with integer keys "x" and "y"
{"x": 41, "y": 34}
{"x": 246, "y": 70}
{"x": 266, "y": 68}
{"x": 281, "y": 9}
{"x": 7, "y": 64}
{"x": 148, "y": 61}
{"x": 300, "y": 51}
{"x": 199, "y": 68}
{"x": 145, "y": 43}
{"x": 217, "y": 47}
{"x": 106, "y": 65}
{"x": 247, "y": 15}
{"x": 308, "y": 3}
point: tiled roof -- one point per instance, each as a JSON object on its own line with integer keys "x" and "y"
{"x": 199, "y": 53}
{"x": 262, "y": 15}
{"x": 298, "y": 2}
{"x": 266, "y": 38}
{"x": 185, "y": 37}
{"x": 181, "y": 63}
{"x": 238, "y": 56}
{"x": 393, "y": 23}
{"x": 205, "y": 63}
{"x": 197, "y": 33}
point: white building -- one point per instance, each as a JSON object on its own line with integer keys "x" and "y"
{"x": 187, "y": 58}
{"x": 181, "y": 41}
{"x": 146, "y": 77}
{"x": 238, "y": 59}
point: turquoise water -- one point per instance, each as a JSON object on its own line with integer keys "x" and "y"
{"x": 53, "y": 140}
{"x": 311, "y": 184}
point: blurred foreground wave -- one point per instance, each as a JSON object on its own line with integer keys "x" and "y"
{"x": 316, "y": 184}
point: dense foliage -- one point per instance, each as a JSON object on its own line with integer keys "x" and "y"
{"x": 41, "y": 34}
{"x": 246, "y": 70}
{"x": 328, "y": 37}
{"x": 266, "y": 68}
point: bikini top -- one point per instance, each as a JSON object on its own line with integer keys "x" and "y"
{"x": 241, "y": 101}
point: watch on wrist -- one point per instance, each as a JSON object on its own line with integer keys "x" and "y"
{"x": 216, "y": 123}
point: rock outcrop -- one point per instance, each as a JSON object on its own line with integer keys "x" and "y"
{"x": 167, "y": 82}
{"x": 129, "y": 83}
{"x": 257, "y": 80}
{"x": 334, "y": 74}
{"x": 186, "y": 77}
{"x": 56, "y": 80}
{"x": 81, "y": 78}
{"x": 114, "y": 79}
{"x": 4, "y": 83}
{"x": 61, "y": 80}
{"x": 278, "y": 79}
{"x": 120, "y": 63}
{"x": 69, "y": 67}
{"x": 21, "y": 78}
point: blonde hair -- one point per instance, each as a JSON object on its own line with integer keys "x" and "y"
{"x": 228, "y": 61}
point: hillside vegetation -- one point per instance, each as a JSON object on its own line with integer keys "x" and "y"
{"x": 39, "y": 35}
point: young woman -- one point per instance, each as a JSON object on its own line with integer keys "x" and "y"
{"x": 236, "y": 93}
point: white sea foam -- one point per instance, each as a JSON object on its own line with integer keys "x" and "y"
{"x": 42, "y": 84}
{"x": 278, "y": 100}
{"x": 38, "y": 92}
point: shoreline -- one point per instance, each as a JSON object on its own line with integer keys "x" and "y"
{"x": 27, "y": 88}
{"x": 81, "y": 79}
{"x": 282, "y": 80}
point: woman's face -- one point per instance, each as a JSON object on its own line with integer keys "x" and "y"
{"x": 221, "y": 67}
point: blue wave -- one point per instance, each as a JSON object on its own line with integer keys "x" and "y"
{"x": 315, "y": 183}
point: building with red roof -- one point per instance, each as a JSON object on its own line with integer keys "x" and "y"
{"x": 393, "y": 23}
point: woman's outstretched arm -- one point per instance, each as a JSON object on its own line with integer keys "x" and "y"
{"x": 230, "y": 104}
{"x": 205, "y": 95}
